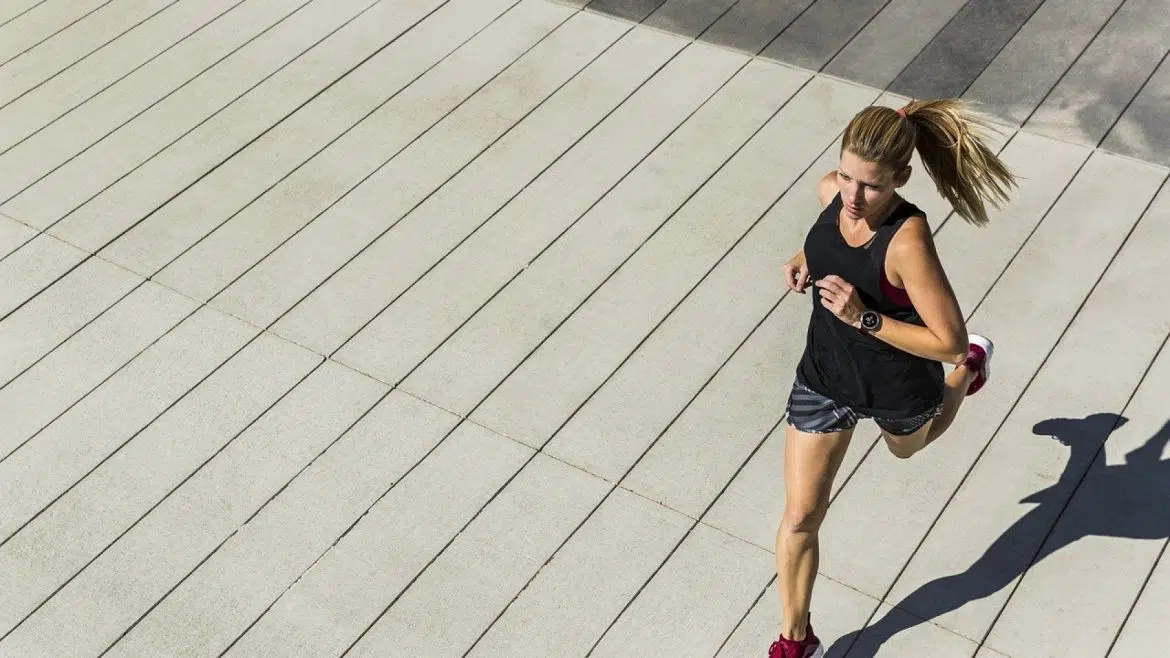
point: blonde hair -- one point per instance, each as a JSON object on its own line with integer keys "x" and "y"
{"x": 946, "y": 133}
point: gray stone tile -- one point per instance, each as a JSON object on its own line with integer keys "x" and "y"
{"x": 87, "y": 77}
{"x": 828, "y": 25}
{"x": 694, "y": 602}
{"x": 631, "y": 10}
{"x": 354, "y": 295}
{"x": 434, "y": 308}
{"x": 33, "y": 267}
{"x": 885, "y": 46}
{"x": 52, "y": 316}
{"x": 219, "y": 228}
{"x": 517, "y": 534}
{"x": 1145, "y": 632}
{"x": 253, "y": 568}
{"x": 1143, "y": 131}
{"x": 329, "y": 606}
{"x": 688, "y": 18}
{"x": 11, "y": 10}
{"x": 751, "y": 25}
{"x": 40, "y": 394}
{"x": 1095, "y": 92}
{"x": 960, "y": 52}
{"x": 75, "y": 130}
{"x": 85, "y": 520}
{"x": 1115, "y": 525}
{"x": 610, "y": 556}
{"x": 39, "y": 23}
{"x": 13, "y": 235}
{"x": 161, "y": 170}
{"x": 127, "y": 579}
{"x": 1028, "y": 67}
{"x": 118, "y": 153}
{"x": 463, "y": 370}
{"x": 558, "y": 378}
{"x": 341, "y": 260}
{"x": 73, "y": 43}
{"x": 55, "y": 460}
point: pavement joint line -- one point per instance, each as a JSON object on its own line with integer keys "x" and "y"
{"x": 89, "y": 54}
{"x": 309, "y": 160}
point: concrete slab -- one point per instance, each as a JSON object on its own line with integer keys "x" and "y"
{"x": 215, "y": 230}
{"x": 68, "y": 131}
{"x": 750, "y": 25}
{"x": 15, "y": 9}
{"x": 34, "y": 399}
{"x": 610, "y": 556}
{"x": 402, "y": 186}
{"x": 464, "y": 280}
{"x": 33, "y": 267}
{"x": 45, "y": 468}
{"x": 891, "y": 40}
{"x": 963, "y": 48}
{"x": 1145, "y": 630}
{"x": 822, "y": 31}
{"x": 1141, "y": 131}
{"x": 552, "y": 384}
{"x": 689, "y": 18}
{"x": 13, "y": 235}
{"x": 1024, "y": 73}
{"x": 39, "y": 23}
{"x": 548, "y": 243}
{"x": 291, "y": 532}
{"x": 50, "y": 188}
{"x": 693, "y": 602}
{"x": 125, "y": 581}
{"x": 516, "y": 533}
{"x": 86, "y": 78}
{"x": 329, "y": 606}
{"x": 499, "y": 336}
{"x": 50, "y": 318}
{"x": 1108, "y": 75}
{"x": 73, "y": 44}
{"x": 337, "y": 310}
{"x": 161, "y": 170}
{"x": 85, "y": 521}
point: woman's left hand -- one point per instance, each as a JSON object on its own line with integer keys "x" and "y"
{"x": 839, "y": 296}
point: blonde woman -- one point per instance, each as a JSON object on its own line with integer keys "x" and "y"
{"x": 884, "y": 321}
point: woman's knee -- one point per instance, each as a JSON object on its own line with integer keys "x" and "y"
{"x": 802, "y": 519}
{"x": 901, "y": 447}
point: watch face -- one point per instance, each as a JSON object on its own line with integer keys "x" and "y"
{"x": 869, "y": 320}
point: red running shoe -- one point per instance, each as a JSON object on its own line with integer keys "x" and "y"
{"x": 979, "y": 351}
{"x": 809, "y": 647}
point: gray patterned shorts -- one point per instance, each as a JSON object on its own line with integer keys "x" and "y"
{"x": 813, "y": 413}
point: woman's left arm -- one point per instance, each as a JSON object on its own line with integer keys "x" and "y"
{"x": 914, "y": 258}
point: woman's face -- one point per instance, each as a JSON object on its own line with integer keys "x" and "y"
{"x": 866, "y": 187}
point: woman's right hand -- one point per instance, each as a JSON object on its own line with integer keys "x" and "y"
{"x": 796, "y": 275}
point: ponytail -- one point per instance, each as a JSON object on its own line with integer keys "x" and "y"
{"x": 947, "y": 136}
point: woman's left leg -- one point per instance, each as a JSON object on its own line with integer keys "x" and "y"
{"x": 956, "y": 388}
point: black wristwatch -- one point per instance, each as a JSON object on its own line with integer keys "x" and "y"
{"x": 871, "y": 321}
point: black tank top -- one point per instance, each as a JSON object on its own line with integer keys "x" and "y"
{"x": 839, "y": 361}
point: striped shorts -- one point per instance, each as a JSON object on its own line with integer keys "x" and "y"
{"x": 812, "y": 413}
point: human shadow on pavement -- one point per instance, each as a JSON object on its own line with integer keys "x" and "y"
{"x": 1125, "y": 500}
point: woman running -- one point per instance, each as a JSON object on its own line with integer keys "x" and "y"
{"x": 884, "y": 321}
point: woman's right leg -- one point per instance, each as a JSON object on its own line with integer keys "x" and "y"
{"x": 810, "y": 464}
